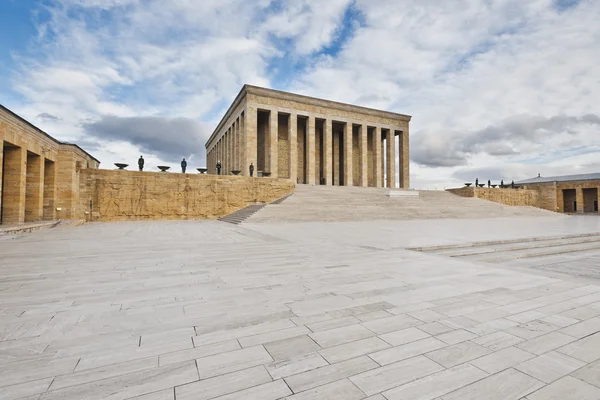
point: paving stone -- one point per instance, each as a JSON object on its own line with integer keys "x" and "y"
{"x": 497, "y": 340}
{"x": 251, "y": 341}
{"x": 405, "y": 351}
{"x": 501, "y": 360}
{"x": 404, "y": 336}
{"x": 559, "y": 320}
{"x": 581, "y": 313}
{"x": 130, "y": 385}
{"x": 488, "y": 327}
{"x": 292, "y": 347}
{"x": 456, "y": 336}
{"x": 221, "y": 336}
{"x": 435, "y": 328}
{"x": 292, "y": 366}
{"x": 267, "y": 391}
{"x": 509, "y": 384}
{"x": 340, "y": 390}
{"x": 35, "y": 369}
{"x": 362, "y": 309}
{"x": 330, "y": 373}
{"x": 426, "y": 315}
{"x": 109, "y": 371}
{"x": 550, "y": 366}
{"x": 333, "y": 323}
{"x": 543, "y": 344}
{"x": 223, "y": 363}
{"x": 531, "y": 329}
{"x": 353, "y": 349}
{"x": 586, "y": 349}
{"x": 583, "y": 328}
{"x": 26, "y": 389}
{"x": 438, "y": 384}
{"x": 166, "y": 394}
{"x": 459, "y": 322}
{"x": 390, "y": 376}
{"x": 590, "y": 373}
{"x": 457, "y": 354}
{"x": 526, "y": 316}
{"x": 463, "y": 308}
{"x": 198, "y": 352}
{"x": 334, "y": 337}
{"x": 567, "y": 388}
{"x": 391, "y": 324}
{"x": 372, "y": 316}
{"x": 223, "y": 384}
{"x": 487, "y": 315}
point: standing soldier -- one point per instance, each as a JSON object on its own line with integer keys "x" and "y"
{"x": 141, "y": 163}
{"x": 183, "y": 166}
{"x": 251, "y": 169}
{"x": 218, "y": 167}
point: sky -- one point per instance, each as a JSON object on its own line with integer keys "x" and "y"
{"x": 498, "y": 89}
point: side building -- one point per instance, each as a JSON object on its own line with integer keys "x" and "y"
{"x": 310, "y": 140}
{"x": 569, "y": 193}
{"x": 39, "y": 174}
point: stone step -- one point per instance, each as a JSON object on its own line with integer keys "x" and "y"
{"x": 535, "y": 252}
{"x": 240, "y": 216}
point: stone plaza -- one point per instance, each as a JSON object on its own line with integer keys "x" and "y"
{"x": 424, "y": 309}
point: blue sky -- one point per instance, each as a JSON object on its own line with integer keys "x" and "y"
{"x": 497, "y": 89}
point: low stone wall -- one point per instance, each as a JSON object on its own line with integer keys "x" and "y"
{"x": 509, "y": 197}
{"x": 115, "y": 195}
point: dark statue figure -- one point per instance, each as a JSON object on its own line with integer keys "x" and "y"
{"x": 489, "y": 183}
{"x": 218, "y": 167}
{"x": 502, "y": 183}
{"x": 251, "y": 168}
{"x": 512, "y": 184}
{"x": 476, "y": 182}
{"x": 183, "y": 166}
{"x": 141, "y": 163}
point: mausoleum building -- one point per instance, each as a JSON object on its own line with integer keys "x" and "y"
{"x": 310, "y": 140}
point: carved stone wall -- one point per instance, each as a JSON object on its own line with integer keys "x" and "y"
{"x": 509, "y": 197}
{"x": 114, "y": 195}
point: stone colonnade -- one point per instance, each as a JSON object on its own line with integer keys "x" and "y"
{"x": 312, "y": 149}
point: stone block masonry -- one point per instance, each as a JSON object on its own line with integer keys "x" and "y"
{"x": 509, "y": 197}
{"x": 109, "y": 195}
{"x": 334, "y": 141}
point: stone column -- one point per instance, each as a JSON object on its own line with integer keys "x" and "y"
{"x": 363, "y": 145}
{"x": 579, "y": 199}
{"x": 328, "y": 151}
{"x": 15, "y": 178}
{"x": 50, "y": 174}
{"x": 274, "y": 143}
{"x": 382, "y": 166}
{"x": 34, "y": 193}
{"x": 228, "y": 150}
{"x": 336, "y": 138}
{"x": 347, "y": 154}
{"x": 404, "y": 160}
{"x": 391, "y": 159}
{"x": 250, "y": 126}
{"x": 311, "y": 150}
{"x": 293, "y": 146}
{"x": 242, "y": 163}
{"x": 236, "y": 153}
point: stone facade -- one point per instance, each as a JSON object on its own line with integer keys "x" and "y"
{"x": 309, "y": 140}
{"x": 568, "y": 196}
{"x": 509, "y": 197}
{"x": 115, "y": 195}
{"x": 39, "y": 174}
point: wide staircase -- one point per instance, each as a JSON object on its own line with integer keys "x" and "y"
{"x": 335, "y": 203}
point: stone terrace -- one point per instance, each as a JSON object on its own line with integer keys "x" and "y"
{"x": 209, "y": 310}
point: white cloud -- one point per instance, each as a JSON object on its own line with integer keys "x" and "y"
{"x": 478, "y": 76}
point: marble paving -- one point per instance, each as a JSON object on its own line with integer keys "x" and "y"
{"x": 207, "y": 310}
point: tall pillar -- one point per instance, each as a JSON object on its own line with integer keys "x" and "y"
{"x": 34, "y": 192}
{"x": 228, "y": 151}
{"x": 362, "y": 145}
{"x": 242, "y": 165}
{"x": 391, "y": 159}
{"x": 347, "y": 154}
{"x": 382, "y": 146}
{"x": 311, "y": 150}
{"x": 404, "y": 160}
{"x": 50, "y": 173}
{"x": 250, "y": 126}
{"x": 274, "y": 143}
{"x": 293, "y": 146}
{"x": 336, "y": 138}
{"x": 328, "y": 151}
{"x": 15, "y": 181}
{"x": 236, "y": 145}
{"x": 580, "y": 200}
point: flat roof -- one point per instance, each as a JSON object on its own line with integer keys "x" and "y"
{"x": 563, "y": 178}
{"x": 17, "y": 116}
{"x": 301, "y": 99}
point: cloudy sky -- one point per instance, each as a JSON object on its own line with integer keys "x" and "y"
{"x": 498, "y": 89}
